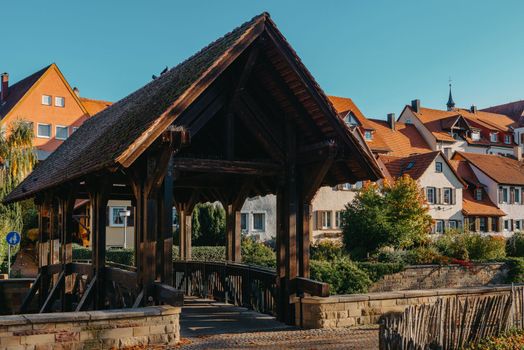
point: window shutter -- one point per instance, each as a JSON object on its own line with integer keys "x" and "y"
{"x": 522, "y": 194}
{"x": 131, "y": 218}
{"x": 453, "y": 194}
{"x": 439, "y": 196}
{"x": 511, "y": 195}
{"x": 317, "y": 220}
{"x": 500, "y": 195}
{"x": 107, "y": 215}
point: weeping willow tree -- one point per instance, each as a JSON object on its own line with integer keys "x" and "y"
{"x": 17, "y": 158}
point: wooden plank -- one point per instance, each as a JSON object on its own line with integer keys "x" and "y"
{"x": 139, "y": 299}
{"x": 31, "y": 294}
{"x": 126, "y": 278}
{"x": 53, "y": 294}
{"x": 88, "y": 295}
{"x": 226, "y": 166}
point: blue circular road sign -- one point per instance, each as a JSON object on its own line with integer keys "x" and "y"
{"x": 13, "y": 238}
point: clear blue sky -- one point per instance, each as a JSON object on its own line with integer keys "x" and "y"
{"x": 380, "y": 53}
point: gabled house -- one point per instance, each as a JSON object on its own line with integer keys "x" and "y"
{"x": 480, "y": 213}
{"x": 442, "y": 185}
{"x": 46, "y": 100}
{"x": 463, "y": 130}
{"x": 502, "y": 179}
{"x": 515, "y": 111}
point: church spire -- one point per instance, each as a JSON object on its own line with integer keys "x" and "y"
{"x": 451, "y": 103}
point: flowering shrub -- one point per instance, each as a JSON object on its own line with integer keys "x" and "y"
{"x": 511, "y": 340}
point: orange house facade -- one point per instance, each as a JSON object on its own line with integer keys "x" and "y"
{"x": 47, "y": 101}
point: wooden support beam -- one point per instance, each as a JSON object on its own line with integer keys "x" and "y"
{"x": 166, "y": 294}
{"x": 55, "y": 291}
{"x": 226, "y": 166}
{"x": 28, "y": 299}
{"x": 312, "y": 182}
{"x": 88, "y": 296}
{"x": 165, "y": 228}
{"x": 66, "y": 207}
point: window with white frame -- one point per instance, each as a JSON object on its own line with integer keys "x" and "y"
{"x": 439, "y": 226}
{"x": 438, "y": 167}
{"x": 430, "y": 195}
{"x": 244, "y": 222}
{"x": 259, "y": 221}
{"x": 43, "y": 130}
{"x": 518, "y": 225}
{"x": 505, "y": 195}
{"x": 73, "y": 129}
{"x": 478, "y": 194}
{"x": 59, "y": 101}
{"x": 452, "y": 224}
{"x": 350, "y": 120}
{"x": 346, "y": 186}
{"x": 447, "y": 195}
{"x": 61, "y": 132}
{"x": 494, "y": 137}
{"x": 115, "y": 220}
{"x": 325, "y": 219}
{"x": 506, "y": 225}
{"x": 483, "y": 224}
{"x": 338, "y": 219}
{"x": 475, "y": 135}
{"x": 517, "y": 195}
{"x": 46, "y": 100}
{"x": 507, "y": 139}
{"x": 368, "y": 135}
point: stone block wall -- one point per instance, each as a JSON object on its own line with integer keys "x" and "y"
{"x": 111, "y": 329}
{"x": 12, "y": 294}
{"x": 362, "y": 309}
{"x": 443, "y": 276}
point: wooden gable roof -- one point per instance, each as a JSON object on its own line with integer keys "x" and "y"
{"x": 117, "y": 136}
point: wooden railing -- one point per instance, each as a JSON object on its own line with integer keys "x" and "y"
{"x": 244, "y": 285}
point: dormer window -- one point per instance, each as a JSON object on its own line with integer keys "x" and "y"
{"x": 507, "y": 139}
{"x": 478, "y": 194}
{"x": 438, "y": 167}
{"x": 368, "y": 135}
{"x": 350, "y": 120}
{"x": 494, "y": 137}
{"x": 475, "y": 135}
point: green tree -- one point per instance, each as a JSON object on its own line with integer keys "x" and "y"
{"x": 17, "y": 159}
{"x": 394, "y": 214}
{"x": 208, "y": 225}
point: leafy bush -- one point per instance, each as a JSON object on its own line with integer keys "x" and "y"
{"x": 256, "y": 253}
{"x": 326, "y": 250}
{"x": 484, "y": 248}
{"x": 204, "y": 253}
{"x": 510, "y": 340}
{"x": 390, "y": 255}
{"x": 208, "y": 225}
{"x": 343, "y": 275}
{"x": 120, "y": 256}
{"x": 471, "y": 246}
{"x": 423, "y": 255}
{"x": 516, "y": 270}
{"x": 515, "y": 244}
{"x": 376, "y": 270}
{"x": 391, "y": 215}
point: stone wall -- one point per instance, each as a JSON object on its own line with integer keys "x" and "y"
{"x": 439, "y": 276}
{"x": 362, "y": 309}
{"x": 112, "y": 329}
{"x": 12, "y": 294}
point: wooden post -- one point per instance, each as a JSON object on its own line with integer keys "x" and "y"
{"x": 304, "y": 241}
{"x": 165, "y": 232}
{"x": 98, "y": 196}
{"x": 43, "y": 248}
{"x": 233, "y": 233}
{"x": 66, "y": 206}
{"x": 185, "y": 221}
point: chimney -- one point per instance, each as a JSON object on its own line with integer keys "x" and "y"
{"x": 517, "y": 151}
{"x": 391, "y": 120}
{"x": 76, "y": 91}
{"x": 473, "y": 109}
{"x": 415, "y": 104}
{"x": 5, "y": 86}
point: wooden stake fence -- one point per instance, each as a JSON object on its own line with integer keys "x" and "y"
{"x": 452, "y": 322}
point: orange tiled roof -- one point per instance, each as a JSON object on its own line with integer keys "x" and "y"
{"x": 404, "y": 141}
{"x": 94, "y": 106}
{"x": 502, "y": 170}
{"x": 514, "y": 110}
{"x": 471, "y": 206}
{"x": 414, "y": 165}
{"x": 436, "y": 121}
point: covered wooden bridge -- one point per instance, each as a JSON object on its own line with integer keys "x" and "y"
{"x": 242, "y": 117}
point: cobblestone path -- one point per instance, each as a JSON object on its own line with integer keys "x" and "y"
{"x": 209, "y": 325}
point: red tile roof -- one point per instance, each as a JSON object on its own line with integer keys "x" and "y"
{"x": 415, "y": 166}
{"x": 404, "y": 141}
{"x": 18, "y": 90}
{"x": 502, "y": 170}
{"x": 514, "y": 110}
{"x": 94, "y": 106}
{"x": 471, "y": 206}
{"x": 438, "y": 121}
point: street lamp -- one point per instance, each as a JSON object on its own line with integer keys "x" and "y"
{"x": 125, "y": 214}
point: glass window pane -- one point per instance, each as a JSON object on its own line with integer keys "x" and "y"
{"x": 62, "y": 132}
{"x": 44, "y": 130}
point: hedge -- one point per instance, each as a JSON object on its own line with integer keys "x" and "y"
{"x": 376, "y": 270}
{"x": 120, "y": 256}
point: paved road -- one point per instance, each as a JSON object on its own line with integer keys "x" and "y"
{"x": 209, "y": 325}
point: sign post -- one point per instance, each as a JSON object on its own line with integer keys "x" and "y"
{"x": 13, "y": 239}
